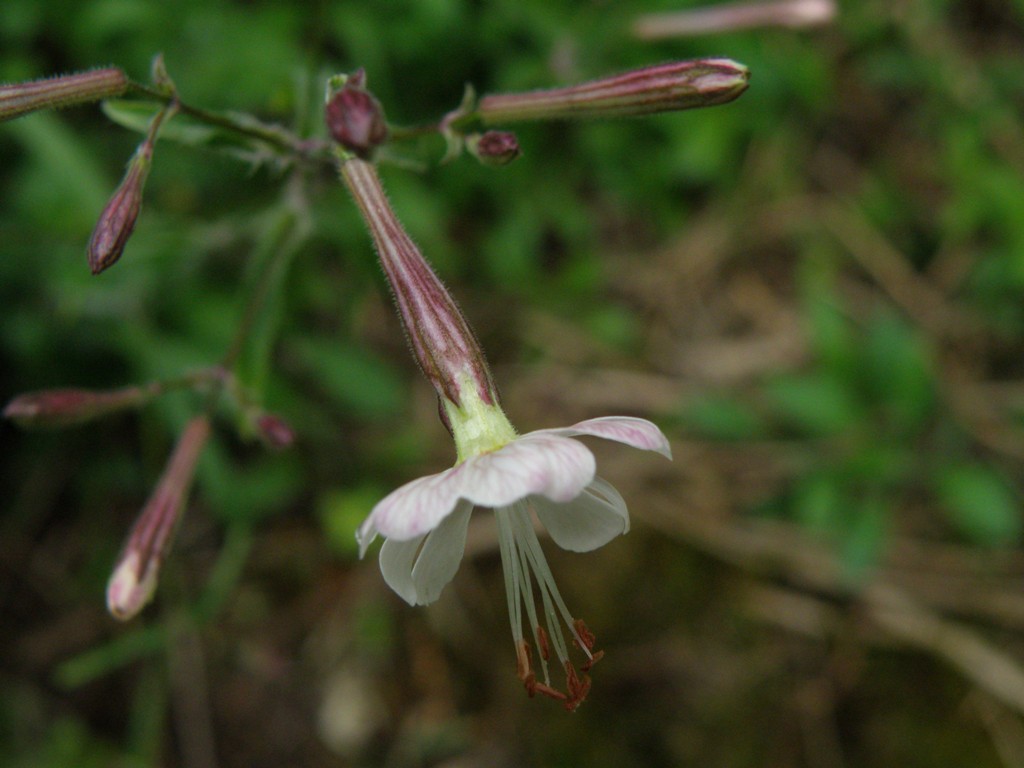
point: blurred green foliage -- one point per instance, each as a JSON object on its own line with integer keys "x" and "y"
{"x": 908, "y": 113}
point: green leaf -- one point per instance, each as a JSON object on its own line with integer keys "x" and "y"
{"x": 186, "y": 129}
{"x": 816, "y": 403}
{"x": 342, "y": 511}
{"x": 864, "y": 538}
{"x": 820, "y": 503}
{"x": 723, "y": 418}
{"x": 980, "y": 503}
{"x": 898, "y": 372}
{"x": 358, "y": 381}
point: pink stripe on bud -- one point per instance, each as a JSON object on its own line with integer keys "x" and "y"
{"x": 661, "y": 88}
{"x": 18, "y": 99}
{"x": 135, "y": 575}
{"x": 441, "y": 340}
{"x": 67, "y": 407}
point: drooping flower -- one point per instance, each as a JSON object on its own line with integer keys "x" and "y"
{"x": 547, "y": 472}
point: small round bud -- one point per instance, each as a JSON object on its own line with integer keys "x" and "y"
{"x": 274, "y": 432}
{"x": 495, "y": 148}
{"x": 355, "y": 118}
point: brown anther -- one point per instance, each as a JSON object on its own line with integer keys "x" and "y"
{"x": 542, "y": 643}
{"x": 572, "y": 680}
{"x": 584, "y": 634}
{"x": 530, "y": 684}
{"x": 582, "y": 689}
{"x": 595, "y": 657}
{"x": 523, "y": 669}
{"x": 578, "y": 689}
{"x": 553, "y": 693}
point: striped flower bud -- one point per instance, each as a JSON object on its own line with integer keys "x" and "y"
{"x": 661, "y": 88}
{"x": 18, "y": 99}
{"x": 441, "y": 339}
{"x": 52, "y": 408}
{"x": 117, "y": 220}
{"x": 135, "y": 575}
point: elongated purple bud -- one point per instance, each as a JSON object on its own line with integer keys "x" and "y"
{"x": 54, "y": 408}
{"x": 728, "y": 17}
{"x": 661, "y": 88}
{"x": 355, "y": 119}
{"x": 441, "y": 340}
{"x": 117, "y": 220}
{"x": 494, "y": 148}
{"x": 135, "y": 575}
{"x": 18, "y": 99}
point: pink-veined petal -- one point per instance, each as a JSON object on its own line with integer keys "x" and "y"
{"x": 418, "y": 569}
{"x": 638, "y": 433}
{"x": 414, "y": 509}
{"x": 542, "y": 465}
{"x": 589, "y": 521}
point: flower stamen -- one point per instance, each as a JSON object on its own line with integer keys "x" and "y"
{"x": 523, "y": 559}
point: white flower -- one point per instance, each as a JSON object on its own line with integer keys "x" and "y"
{"x": 424, "y": 523}
{"x": 546, "y": 473}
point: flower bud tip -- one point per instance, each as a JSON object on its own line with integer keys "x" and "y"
{"x": 494, "y": 148}
{"x": 127, "y": 594}
{"x": 355, "y": 119}
{"x": 274, "y": 431}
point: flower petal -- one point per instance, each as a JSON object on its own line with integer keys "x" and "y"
{"x": 418, "y": 569}
{"x": 589, "y": 521}
{"x": 539, "y": 464}
{"x": 441, "y": 554}
{"x": 414, "y": 509}
{"x": 396, "y": 562}
{"x": 639, "y": 433}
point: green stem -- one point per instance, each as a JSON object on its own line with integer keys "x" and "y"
{"x": 278, "y": 137}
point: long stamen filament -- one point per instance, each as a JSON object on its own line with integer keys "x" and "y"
{"x": 545, "y": 577}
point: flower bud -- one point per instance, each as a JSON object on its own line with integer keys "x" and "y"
{"x": 67, "y": 407}
{"x": 118, "y": 218}
{"x": 117, "y": 221}
{"x": 355, "y": 118}
{"x": 18, "y": 99}
{"x": 494, "y": 148}
{"x": 274, "y": 432}
{"x": 135, "y": 575}
{"x": 728, "y": 17}
{"x": 661, "y": 88}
